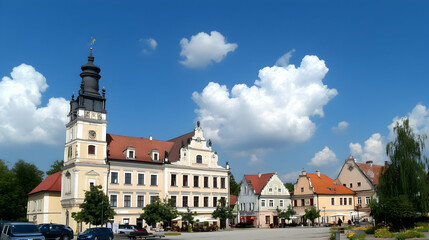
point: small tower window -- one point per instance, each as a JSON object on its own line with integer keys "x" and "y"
{"x": 199, "y": 159}
{"x": 91, "y": 149}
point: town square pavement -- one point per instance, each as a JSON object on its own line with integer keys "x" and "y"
{"x": 256, "y": 234}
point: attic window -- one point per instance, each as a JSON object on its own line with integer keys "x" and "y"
{"x": 155, "y": 155}
{"x": 130, "y": 153}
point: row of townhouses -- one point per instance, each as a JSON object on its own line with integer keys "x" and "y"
{"x": 133, "y": 171}
{"x": 263, "y": 196}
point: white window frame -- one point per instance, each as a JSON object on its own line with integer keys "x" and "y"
{"x": 262, "y": 202}
{"x": 131, "y": 178}
{"x": 143, "y": 178}
{"x": 155, "y": 151}
{"x": 187, "y": 197}
{"x": 131, "y": 202}
{"x": 137, "y": 200}
{"x": 271, "y": 203}
{"x": 110, "y": 200}
{"x": 332, "y": 202}
{"x": 152, "y": 195}
{"x": 359, "y": 201}
{"x": 270, "y": 190}
{"x": 95, "y": 150}
{"x": 367, "y": 200}
{"x": 126, "y": 220}
{"x": 154, "y": 174}
{"x": 89, "y": 183}
{"x": 279, "y": 190}
{"x": 171, "y": 178}
{"x": 281, "y": 203}
{"x": 193, "y": 201}
{"x": 117, "y": 177}
{"x": 171, "y": 196}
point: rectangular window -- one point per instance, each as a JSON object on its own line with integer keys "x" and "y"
{"x": 345, "y": 201}
{"x": 185, "y": 180}
{"x": 302, "y": 189}
{"x": 332, "y": 201}
{"x": 140, "y": 201}
{"x": 351, "y": 185}
{"x": 173, "y": 180}
{"x": 140, "y": 179}
{"x": 130, "y": 154}
{"x": 91, "y": 149}
{"x": 127, "y": 178}
{"x": 70, "y": 152}
{"x": 113, "y": 177}
{"x": 267, "y": 219}
{"x": 153, "y": 198}
{"x": 223, "y": 201}
{"x": 184, "y": 201}
{"x": 350, "y": 201}
{"x": 263, "y": 203}
{"x": 127, "y": 200}
{"x": 295, "y": 204}
{"x": 206, "y": 201}
{"x": 302, "y": 202}
{"x": 271, "y": 203}
{"x": 222, "y": 183}
{"x": 279, "y": 190}
{"x": 113, "y": 200}
{"x": 367, "y": 200}
{"x": 270, "y": 190}
{"x": 214, "y": 182}
{"x": 196, "y": 181}
{"x": 153, "y": 180}
{"x": 281, "y": 203}
{"x": 311, "y": 201}
{"x": 341, "y": 201}
{"x": 206, "y": 182}
{"x": 196, "y": 201}
{"x": 173, "y": 201}
{"x": 214, "y": 201}
{"x": 359, "y": 184}
{"x": 359, "y": 200}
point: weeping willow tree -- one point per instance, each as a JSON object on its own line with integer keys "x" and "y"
{"x": 404, "y": 179}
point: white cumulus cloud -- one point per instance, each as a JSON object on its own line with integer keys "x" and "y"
{"x": 149, "y": 44}
{"x": 274, "y": 112}
{"x": 341, "y": 127}
{"x": 418, "y": 119}
{"x": 203, "y": 49}
{"x": 22, "y": 119}
{"x": 374, "y": 149}
{"x": 323, "y": 158}
{"x": 283, "y": 61}
{"x": 290, "y": 177}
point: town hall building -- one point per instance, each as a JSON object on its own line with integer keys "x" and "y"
{"x": 132, "y": 171}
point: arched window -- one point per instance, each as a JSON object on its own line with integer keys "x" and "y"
{"x": 91, "y": 149}
{"x": 199, "y": 159}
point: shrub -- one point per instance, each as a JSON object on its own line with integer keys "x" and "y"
{"x": 370, "y": 230}
{"x": 356, "y": 235}
{"x": 383, "y": 233}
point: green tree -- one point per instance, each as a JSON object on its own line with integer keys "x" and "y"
{"x": 233, "y": 186}
{"x": 404, "y": 177}
{"x": 286, "y": 214}
{"x": 26, "y": 176}
{"x": 311, "y": 214}
{"x": 223, "y": 212}
{"x": 8, "y": 193}
{"x": 95, "y": 208}
{"x": 159, "y": 211}
{"x": 55, "y": 167}
{"x": 289, "y": 186}
{"x": 397, "y": 211}
{"x": 188, "y": 217}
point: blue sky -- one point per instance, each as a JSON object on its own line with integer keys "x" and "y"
{"x": 366, "y": 64}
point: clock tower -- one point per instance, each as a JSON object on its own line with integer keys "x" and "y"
{"x": 85, "y": 150}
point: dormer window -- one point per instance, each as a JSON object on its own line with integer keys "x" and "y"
{"x": 155, "y": 155}
{"x": 130, "y": 153}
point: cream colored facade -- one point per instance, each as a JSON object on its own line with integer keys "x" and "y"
{"x": 332, "y": 206}
{"x": 44, "y": 207}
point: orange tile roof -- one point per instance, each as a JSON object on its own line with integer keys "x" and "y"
{"x": 232, "y": 200}
{"x": 174, "y": 153}
{"x": 372, "y": 172}
{"x": 52, "y": 183}
{"x": 116, "y": 145}
{"x": 258, "y": 183}
{"x": 326, "y": 185}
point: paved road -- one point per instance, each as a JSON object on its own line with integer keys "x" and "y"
{"x": 256, "y": 234}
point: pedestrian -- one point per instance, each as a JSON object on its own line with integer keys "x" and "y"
{"x": 339, "y": 222}
{"x": 349, "y": 222}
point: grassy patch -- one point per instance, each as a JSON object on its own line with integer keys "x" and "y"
{"x": 172, "y": 233}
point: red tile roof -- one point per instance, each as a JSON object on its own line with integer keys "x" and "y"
{"x": 52, "y": 183}
{"x": 174, "y": 153}
{"x": 372, "y": 172}
{"x": 232, "y": 200}
{"x": 258, "y": 183}
{"x": 326, "y": 185}
{"x": 143, "y": 147}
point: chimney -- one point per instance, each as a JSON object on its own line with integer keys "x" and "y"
{"x": 318, "y": 173}
{"x": 369, "y": 163}
{"x": 259, "y": 175}
{"x": 150, "y": 138}
{"x": 304, "y": 173}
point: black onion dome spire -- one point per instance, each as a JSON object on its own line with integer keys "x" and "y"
{"x": 89, "y": 97}
{"x": 90, "y": 76}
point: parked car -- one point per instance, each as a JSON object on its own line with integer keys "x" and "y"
{"x": 127, "y": 229}
{"x": 1, "y": 225}
{"x": 56, "y": 231}
{"x": 20, "y": 230}
{"x": 97, "y": 233}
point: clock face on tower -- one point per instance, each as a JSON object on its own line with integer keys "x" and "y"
{"x": 92, "y": 134}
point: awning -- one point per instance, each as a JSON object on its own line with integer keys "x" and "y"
{"x": 177, "y": 219}
{"x": 339, "y": 214}
{"x": 204, "y": 219}
{"x": 299, "y": 215}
